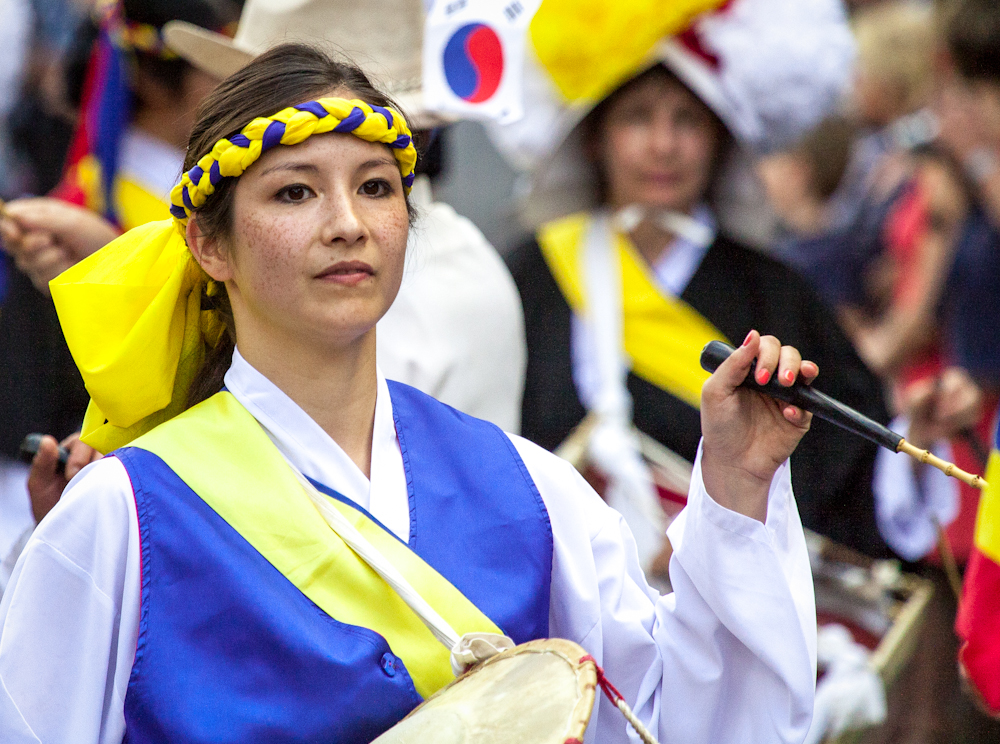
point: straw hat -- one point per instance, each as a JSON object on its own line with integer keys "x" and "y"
{"x": 384, "y": 37}
{"x": 769, "y": 69}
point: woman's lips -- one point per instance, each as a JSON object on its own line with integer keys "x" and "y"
{"x": 663, "y": 179}
{"x": 346, "y": 273}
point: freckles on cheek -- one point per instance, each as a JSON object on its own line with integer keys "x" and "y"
{"x": 393, "y": 233}
{"x": 267, "y": 245}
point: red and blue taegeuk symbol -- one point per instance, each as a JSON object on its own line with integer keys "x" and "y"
{"x": 473, "y": 62}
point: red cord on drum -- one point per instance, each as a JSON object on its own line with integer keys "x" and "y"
{"x": 619, "y": 702}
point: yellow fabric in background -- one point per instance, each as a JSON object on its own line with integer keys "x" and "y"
{"x": 590, "y": 47}
{"x": 663, "y": 335}
{"x": 134, "y": 205}
{"x": 220, "y": 451}
{"x": 988, "y": 517}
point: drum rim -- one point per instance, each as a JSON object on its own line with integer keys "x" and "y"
{"x": 576, "y": 656}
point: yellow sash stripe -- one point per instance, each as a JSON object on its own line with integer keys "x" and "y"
{"x": 136, "y": 206}
{"x": 988, "y": 516}
{"x": 220, "y": 451}
{"x": 663, "y": 335}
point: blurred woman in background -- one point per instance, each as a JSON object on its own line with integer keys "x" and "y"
{"x": 647, "y": 246}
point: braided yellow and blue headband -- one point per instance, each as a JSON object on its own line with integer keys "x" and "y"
{"x": 231, "y": 156}
{"x": 132, "y": 314}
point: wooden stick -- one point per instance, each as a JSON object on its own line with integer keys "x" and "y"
{"x": 948, "y": 468}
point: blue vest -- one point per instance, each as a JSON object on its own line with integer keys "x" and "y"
{"x": 229, "y": 650}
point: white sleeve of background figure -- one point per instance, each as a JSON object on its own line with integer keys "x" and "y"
{"x": 909, "y": 507}
{"x": 69, "y": 618}
{"x": 456, "y": 328}
{"x": 730, "y": 655}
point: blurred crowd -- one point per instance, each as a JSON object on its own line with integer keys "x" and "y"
{"x": 884, "y": 216}
{"x": 889, "y": 207}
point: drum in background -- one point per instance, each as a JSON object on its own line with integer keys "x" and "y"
{"x": 541, "y": 692}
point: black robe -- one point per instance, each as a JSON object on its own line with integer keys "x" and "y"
{"x": 40, "y": 387}
{"x": 737, "y": 289}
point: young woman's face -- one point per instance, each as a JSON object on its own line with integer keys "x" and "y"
{"x": 657, "y": 146}
{"x": 319, "y": 238}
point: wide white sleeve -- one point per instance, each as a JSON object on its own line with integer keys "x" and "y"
{"x": 730, "y": 655}
{"x": 69, "y": 618}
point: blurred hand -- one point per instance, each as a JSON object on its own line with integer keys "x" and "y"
{"x": 961, "y": 131}
{"x": 46, "y": 236}
{"x": 747, "y": 435}
{"x": 941, "y": 407}
{"x": 45, "y": 485}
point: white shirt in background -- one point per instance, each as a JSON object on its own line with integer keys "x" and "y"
{"x": 16, "y": 519}
{"x": 456, "y": 329}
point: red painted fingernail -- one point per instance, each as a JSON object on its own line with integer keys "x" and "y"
{"x": 747, "y": 339}
{"x": 763, "y": 376}
{"x": 789, "y": 375}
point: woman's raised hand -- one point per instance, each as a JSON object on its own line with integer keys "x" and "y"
{"x": 46, "y": 236}
{"x": 45, "y": 482}
{"x": 748, "y": 435}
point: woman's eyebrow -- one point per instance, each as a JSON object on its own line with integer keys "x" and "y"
{"x": 293, "y": 166}
{"x": 378, "y": 162}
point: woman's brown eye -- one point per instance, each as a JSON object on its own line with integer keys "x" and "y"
{"x": 296, "y": 193}
{"x": 374, "y": 188}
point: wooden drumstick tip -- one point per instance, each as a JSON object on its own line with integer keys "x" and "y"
{"x": 948, "y": 468}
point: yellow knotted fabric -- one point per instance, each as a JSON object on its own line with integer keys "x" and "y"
{"x": 132, "y": 317}
{"x": 590, "y": 47}
{"x": 131, "y": 313}
{"x": 663, "y": 335}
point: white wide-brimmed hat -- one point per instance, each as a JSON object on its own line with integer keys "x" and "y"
{"x": 383, "y": 37}
{"x": 769, "y": 69}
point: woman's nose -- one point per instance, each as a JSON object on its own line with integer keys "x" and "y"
{"x": 341, "y": 221}
{"x": 663, "y": 134}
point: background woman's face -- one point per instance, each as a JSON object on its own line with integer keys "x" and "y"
{"x": 657, "y": 145}
{"x": 319, "y": 240}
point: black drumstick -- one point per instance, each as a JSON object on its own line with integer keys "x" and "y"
{"x": 829, "y": 409}
{"x": 30, "y": 446}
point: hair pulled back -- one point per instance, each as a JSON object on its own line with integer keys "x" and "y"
{"x": 284, "y": 76}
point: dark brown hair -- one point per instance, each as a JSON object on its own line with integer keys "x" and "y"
{"x": 828, "y": 149}
{"x": 284, "y": 76}
{"x": 972, "y": 29}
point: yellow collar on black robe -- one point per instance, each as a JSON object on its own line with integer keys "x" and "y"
{"x": 663, "y": 335}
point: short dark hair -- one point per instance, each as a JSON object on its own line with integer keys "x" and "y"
{"x": 208, "y": 14}
{"x": 972, "y": 29}
{"x": 284, "y": 76}
{"x": 828, "y": 149}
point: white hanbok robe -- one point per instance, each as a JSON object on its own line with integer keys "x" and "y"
{"x": 729, "y": 656}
